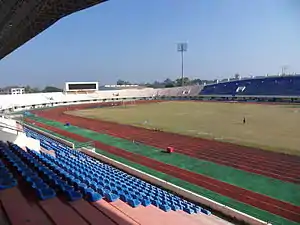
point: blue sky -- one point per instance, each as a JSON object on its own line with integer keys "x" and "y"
{"x": 136, "y": 40}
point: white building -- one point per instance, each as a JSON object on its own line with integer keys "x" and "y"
{"x": 12, "y": 91}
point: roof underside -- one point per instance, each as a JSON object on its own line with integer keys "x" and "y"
{"x": 21, "y": 20}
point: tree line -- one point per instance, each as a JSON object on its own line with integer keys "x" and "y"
{"x": 29, "y": 89}
{"x": 168, "y": 83}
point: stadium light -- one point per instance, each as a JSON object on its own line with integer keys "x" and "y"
{"x": 283, "y": 70}
{"x": 182, "y": 47}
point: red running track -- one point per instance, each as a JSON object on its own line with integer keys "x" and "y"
{"x": 283, "y": 209}
{"x": 271, "y": 164}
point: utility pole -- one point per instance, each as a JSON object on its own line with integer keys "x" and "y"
{"x": 182, "y": 47}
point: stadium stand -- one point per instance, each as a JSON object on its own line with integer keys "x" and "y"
{"x": 95, "y": 180}
{"x": 179, "y": 91}
{"x": 280, "y": 88}
{"x": 37, "y": 100}
{"x": 279, "y": 85}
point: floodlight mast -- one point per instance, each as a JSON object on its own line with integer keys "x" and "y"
{"x": 283, "y": 70}
{"x": 182, "y": 47}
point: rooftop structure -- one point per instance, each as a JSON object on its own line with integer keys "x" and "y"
{"x": 20, "y": 20}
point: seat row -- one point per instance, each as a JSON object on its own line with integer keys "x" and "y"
{"x": 7, "y": 179}
{"x": 25, "y": 168}
{"x": 88, "y": 175}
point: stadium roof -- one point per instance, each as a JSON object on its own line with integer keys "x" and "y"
{"x": 22, "y": 20}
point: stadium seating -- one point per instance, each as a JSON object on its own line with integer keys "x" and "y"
{"x": 6, "y": 177}
{"x": 275, "y": 86}
{"x": 179, "y": 91}
{"x": 77, "y": 175}
{"x": 38, "y": 100}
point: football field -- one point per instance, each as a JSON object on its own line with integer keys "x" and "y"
{"x": 272, "y": 127}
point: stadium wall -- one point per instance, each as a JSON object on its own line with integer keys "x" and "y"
{"x": 61, "y": 140}
{"x": 11, "y": 131}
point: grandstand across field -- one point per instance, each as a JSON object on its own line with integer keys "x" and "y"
{"x": 285, "y": 85}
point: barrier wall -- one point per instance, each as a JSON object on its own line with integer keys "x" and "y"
{"x": 9, "y": 125}
{"x": 178, "y": 190}
{"x": 12, "y": 131}
{"x": 61, "y": 140}
{"x": 7, "y": 136}
{"x": 23, "y": 141}
{"x": 33, "y": 144}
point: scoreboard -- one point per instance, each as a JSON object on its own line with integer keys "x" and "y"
{"x": 81, "y": 86}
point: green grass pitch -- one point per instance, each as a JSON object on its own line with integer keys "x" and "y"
{"x": 271, "y": 127}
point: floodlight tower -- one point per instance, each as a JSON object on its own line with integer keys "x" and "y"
{"x": 283, "y": 70}
{"x": 182, "y": 47}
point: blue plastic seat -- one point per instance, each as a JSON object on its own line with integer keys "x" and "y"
{"x": 45, "y": 193}
{"x": 73, "y": 195}
{"x": 145, "y": 202}
{"x": 94, "y": 179}
{"x": 93, "y": 196}
{"x": 111, "y": 197}
{"x": 133, "y": 202}
{"x": 7, "y": 182}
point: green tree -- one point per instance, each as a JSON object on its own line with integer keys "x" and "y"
{"x": 186, "y": 81}
{"x": 196, "y": 81}
{"x": 29, "y": 89}
{"x": 52, "y": 89}
{"x": 168, "y": 83}
{"x": 148, "y": 85}
{"x": 158, "y": 84}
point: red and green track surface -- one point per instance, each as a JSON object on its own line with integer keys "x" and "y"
{"x": 262, "y": 184}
